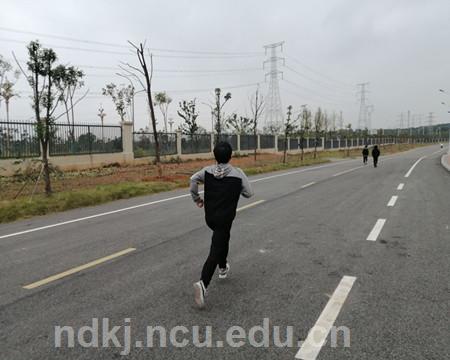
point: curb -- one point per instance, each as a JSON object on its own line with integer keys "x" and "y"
{"x": 445, "y": 161}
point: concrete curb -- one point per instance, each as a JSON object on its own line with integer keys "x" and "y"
{"x": 445, "y": 161}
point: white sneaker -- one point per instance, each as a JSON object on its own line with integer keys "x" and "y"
{"x": 199, "y": 293}
{"x": 223, "y": 273}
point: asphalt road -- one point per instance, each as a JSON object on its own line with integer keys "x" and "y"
{"x": 300, "y": 258}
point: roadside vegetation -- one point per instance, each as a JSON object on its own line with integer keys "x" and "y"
{"x": 75, "y": 189}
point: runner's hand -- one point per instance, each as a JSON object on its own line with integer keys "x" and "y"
{"x": 200, "y": 203}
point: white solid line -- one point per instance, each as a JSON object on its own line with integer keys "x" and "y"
{"x": 376, "y": 230}
{"x": 92, "y": 216}
{"x": 77, "y": 269}
{"x": 414, "y": 165}
{"x": 318, "y": 334}
{"x": 400, "y": 186}
{"x": 347, "y": 171}
{"x": 250, "y": 205}
{"x": 392, "y": 201}
{"x": 307, "y": 185}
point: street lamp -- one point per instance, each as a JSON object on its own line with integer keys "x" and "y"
{"x": 448, "y": 128}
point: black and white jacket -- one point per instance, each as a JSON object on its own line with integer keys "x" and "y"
{"x": 223, "y": 186}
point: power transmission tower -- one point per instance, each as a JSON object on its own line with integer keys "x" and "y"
{"x": 273, "y": 111}
{"x": 362, "y": 92}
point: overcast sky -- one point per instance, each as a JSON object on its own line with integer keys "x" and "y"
{"x": 401, "y": 47}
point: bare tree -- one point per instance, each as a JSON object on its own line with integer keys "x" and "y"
{"x": 7, "y": 92}
{"x": 146, "y": 73}
{"x": 162, "y": 100}
{"x": 257, "y": 108}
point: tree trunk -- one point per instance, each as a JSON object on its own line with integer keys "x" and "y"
{"x": 46, "y": 172}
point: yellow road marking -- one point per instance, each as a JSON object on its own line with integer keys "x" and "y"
{"x": 77, "y": 269}
{"x": 250, "y": 205}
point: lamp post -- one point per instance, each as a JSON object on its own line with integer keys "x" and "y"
{"x": 448, "y": 128}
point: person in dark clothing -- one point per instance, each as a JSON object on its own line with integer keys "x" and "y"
{"x": 365, "y": 154}
{"x": 224, "y": 184}
{"x": 375, "y": 155}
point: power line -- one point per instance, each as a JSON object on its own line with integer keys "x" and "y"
{"x": 116, "y": 45}
{"x": 318, "y": 73}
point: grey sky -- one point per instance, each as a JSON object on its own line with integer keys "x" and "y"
{"x": 399, "y": 46}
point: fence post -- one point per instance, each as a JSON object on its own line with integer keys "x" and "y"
{"x": 258, "y": 142}
{"x": 212, "y": 142}
{"x": 288, "y": 143}
{"x": 89, "y": 140}
{"x": 238, "y": 142}
{"x": 178, "y": 132}
{"x": 323, "y": 143}
{"x": 276, "y": 143}
{"x": 127, "y": 138}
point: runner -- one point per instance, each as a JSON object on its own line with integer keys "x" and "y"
{"x": 223, "y": 186}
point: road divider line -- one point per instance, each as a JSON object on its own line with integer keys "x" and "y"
{"x": 392, "y": 201}
{"x": 400, "y": 186}
{"x": 318, "y": 334}
{"x": 77, "y": 269}
{"x": 250, "y": 205}
{"x": 376, "y": 230}
{"x": 308, "y": 185}
{"x": 347, "y": 171}
{"x": 412, "y": 167}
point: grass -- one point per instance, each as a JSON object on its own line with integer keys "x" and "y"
{"x": 21, "y": 208}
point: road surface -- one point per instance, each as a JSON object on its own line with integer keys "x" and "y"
{"x": 335, "y": 246}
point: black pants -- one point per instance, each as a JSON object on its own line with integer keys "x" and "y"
{"x": 219, "y": 249}
{"x": 375, "y": 161}
{"x": 365, "y": 159}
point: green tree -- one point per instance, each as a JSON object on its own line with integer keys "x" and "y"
{"x": 68, "y": 79}
{"x": 189, "y": 114}
{"x": 217, "y": 110}
{"x": 162, "y": 100}
{"x": 239, "y": 124}
{"x": 305, "y": 126}
{"x": 289, "y": 127}
{"x": 40, "y": 77}
{"x": 121, "y": 97}
{"x": 317, "y": 128}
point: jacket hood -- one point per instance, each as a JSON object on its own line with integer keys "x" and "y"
{"x": 221, "y": 170}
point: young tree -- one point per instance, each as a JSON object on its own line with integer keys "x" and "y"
{"x": 162, "y": 100}
{"x": 121, "y": 97}
{"x": 5, "y": 67}
{"x": 239, "y": 124}
{"x": 305, "y": 126}
{"x": 189, "y": 114}
{"x": 217, "y": 111}
{"x": 257, "y": 108}
{"x": 7, "y": 92}
{"x": 317, "y": 128}
{"x": 289, "y": 127}
{"x": 68, "y": 79}
{"x": 41, "y": 68}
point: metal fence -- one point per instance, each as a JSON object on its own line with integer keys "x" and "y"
{"x": 85, "y": 139}
{"x": 195, "y": 144}
{"x": 18, "y": 140}
{"x": 144, "y": 144}
{"x": 230, "y": 139}
{"x": 248, "y": 142}
{"x": 267, "y": 141}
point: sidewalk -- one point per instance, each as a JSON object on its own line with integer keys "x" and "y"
{"x": 445, "y": 161}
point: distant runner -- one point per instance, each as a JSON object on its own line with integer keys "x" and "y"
{"x": 375, "y": 155}
{"x": 365, "y": 154}
{"x": 223, "y": 186}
